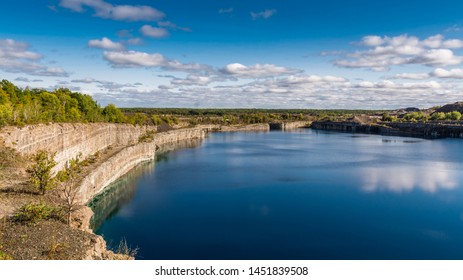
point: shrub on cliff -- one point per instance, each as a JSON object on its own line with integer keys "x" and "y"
{"x": 386, "y": 117}
{"x": 454, "y": 116}
{"x": 156, "y": 120}
{"x": 438, "y": 116}
{"x": 68, "y": 179}
{"x": 41, "y": 171}
{"x": 34, "y": 212}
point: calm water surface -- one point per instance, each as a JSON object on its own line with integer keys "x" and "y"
{"x": 292, "y": 195}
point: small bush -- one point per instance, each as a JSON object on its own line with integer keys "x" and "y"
{"x": 54, "y": 249}
{"x": 41, "y": 170}
{"x": 4, "y": 256}
{"x": 147, "y": 137}
{"x": 438, "y": 116}
{"x": 156, "y": 120}
{"x": 31, "y": 213}
{"x": 124, "y": 249}
{"x": 454, "y": 116}
{"x": 386, "y": 117}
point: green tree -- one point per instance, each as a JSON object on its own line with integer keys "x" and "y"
{"x": 68, "y": 180}
{"x": 137, "y": 119}
{"x": 41, "y": 171}
{"x": 50, "y": 107}
{"x": 6, "y": 114}
{"x": 386, "y": 117}
{"x": 415, "y": 116}
{"x": 113, "y": 114}
{"x": 156, "y": 119}
{"x": 437, "y": 116}
{"x": 4, "y": 97}
{"x": 91, "y": 111}
{"x": 454, "y": 116}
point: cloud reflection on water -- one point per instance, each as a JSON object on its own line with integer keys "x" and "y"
{"x": 430, "y": 178}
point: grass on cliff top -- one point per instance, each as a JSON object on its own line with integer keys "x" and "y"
{"x": 46, "y": 239}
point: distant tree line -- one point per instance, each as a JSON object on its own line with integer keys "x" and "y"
{"x": 245, "y": 116}
{"x": 422, "y": 117}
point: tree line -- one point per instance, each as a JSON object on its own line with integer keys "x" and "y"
{"x": 28, "y": 106}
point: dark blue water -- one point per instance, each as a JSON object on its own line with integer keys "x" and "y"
{"x": 293, "y": 195}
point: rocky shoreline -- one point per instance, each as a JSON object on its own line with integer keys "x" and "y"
{"x": 432, "y": 130}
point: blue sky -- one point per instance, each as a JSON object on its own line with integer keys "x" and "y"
{"x": 238, "y": 54}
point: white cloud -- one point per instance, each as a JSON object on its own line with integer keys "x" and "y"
{"x": 52, "y": 72}
{"x": 386, "y": 84}
{"x": 154, "y": 32}
{"x": 226, "y": 10}
{"x": 173, "y": 26}
{"x": 125, "y": 59}
{"x": 191, "y": 80}
{"x": 15, "y": 57}
{"x": 135, "y": 41}
{"x": 412, "y": 76}
{"x": 372, "y": 41}
{"x": 385, "y": 52}
{"x": 135, "y": 59}
{"x": 453, "y": 44}
{"x": 105, "y": 85}
{"x": 84, "y": 81}
{"x": 456, "y": 73}
{"x": 299, "y": 91}
{"x": 264, "y": 14}
{"x": 437, "y": 57}
{"x": 27, "y": 80}
{"x": 116, "y": 12}
{"x": 257, "y": 70}
{"x": 106, "y": 44}
{"x": 310, "y": 79}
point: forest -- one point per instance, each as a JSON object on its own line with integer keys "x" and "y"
{"x": 28, "y": 106}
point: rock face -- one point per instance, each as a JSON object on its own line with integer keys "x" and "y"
{"x": 113, "y": 168}
{"x": 68, "y": 140}
{"x": 426, "y": 130}
{"x": 128, "y": 158}
{"x": 289, "y": 125}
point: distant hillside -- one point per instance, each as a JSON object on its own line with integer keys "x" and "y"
{"x": 457, "y": 106}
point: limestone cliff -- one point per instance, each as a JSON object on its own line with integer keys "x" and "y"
{"x": 128, "y": 158}
{"x": 70, "y": 140}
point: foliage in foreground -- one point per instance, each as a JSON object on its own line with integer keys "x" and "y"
{"x": 4, "y": 256}
{"x": 68, "y": 180}
{"x": 34, "y": 212}
{"x": 124, "y": 249}
{"x": 41, "y": 171}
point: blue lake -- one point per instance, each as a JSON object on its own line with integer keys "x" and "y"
{"x": 304, "y": 194}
